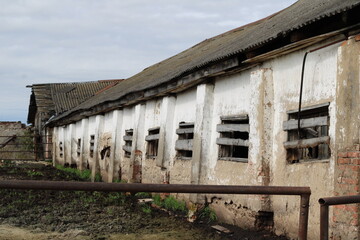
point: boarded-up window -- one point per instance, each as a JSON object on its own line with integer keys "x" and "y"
{"x": 61, "y": 149}
{"x": 92, "y": 144}
{"x": 311, "y": 142}
{"x": 128, "y": 138}
{"x": 184, "y": 144}
{"x": 78, "y": 150}
{"x": 152, "y": 142}
{"x": 234, "y": 138}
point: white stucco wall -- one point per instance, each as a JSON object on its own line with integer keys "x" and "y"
{"x": 319, "y": 87}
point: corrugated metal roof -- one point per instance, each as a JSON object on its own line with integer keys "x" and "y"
{"x": 220, "y": 47}
{"x": 56, "y": 98}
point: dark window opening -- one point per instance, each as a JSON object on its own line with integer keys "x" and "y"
{"x": 61, "y": 149}
{"x": 128, "y": 138}
{"x": 105, "y": 152}
{"x": 78, "y": 147}
{"x": 92, "y": 145}
{"x": 152, "y": 142}
{"x": 234, "y": 138}
{"x": 184, "y": 144}
{"x": 312, "y": 141}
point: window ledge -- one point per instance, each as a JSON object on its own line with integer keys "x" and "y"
{"x": 232, "y": 159}
{"x": 184, "y": 158}
{"x": 311, "y": 161}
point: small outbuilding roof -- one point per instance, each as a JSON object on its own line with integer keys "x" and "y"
{"x": 56, "y": 98}
{"x": 262, "y": 36}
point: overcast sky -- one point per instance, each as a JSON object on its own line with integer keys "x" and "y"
{"x": 48, "y": 41}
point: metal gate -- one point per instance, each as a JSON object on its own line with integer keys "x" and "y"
{"x": 25, "y": 147}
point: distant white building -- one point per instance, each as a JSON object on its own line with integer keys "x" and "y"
{"x": 226, "y": 112}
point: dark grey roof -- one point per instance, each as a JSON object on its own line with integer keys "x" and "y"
{"x": 231, "y": 43}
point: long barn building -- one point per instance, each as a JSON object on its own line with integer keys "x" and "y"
{"x": 226, "y": 112}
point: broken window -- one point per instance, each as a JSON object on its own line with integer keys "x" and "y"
{"x": 184, "y": 144}
{"x": 152, "y": 142}
{"x": 61, "y": 149}
{"x": 234, "y": 138}
{"x": 105, "y": 152}
{"x": 128, "y": 138}
{"x": 92, "y": 144}
{"x": 78, "y": 147}
{"x": 311, "y": 142}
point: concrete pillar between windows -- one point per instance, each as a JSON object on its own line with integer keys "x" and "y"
{"x": 62, "y": 139}
{"x": 115, "y": 137}
{"x": 73, "y": 144}
{"x": 202, "y": 135}
{"x": 119, "y": 142}
{"x": 99, "y": 125}
{"x": 54, "y": 152}
{"x": 261, "y": 122}
{"x": 138, "y": 142}
{"x": 84, "y": 142}
{"x": 166, "y": 131}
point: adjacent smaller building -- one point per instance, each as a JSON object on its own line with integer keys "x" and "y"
{"x": 51, "y": 99}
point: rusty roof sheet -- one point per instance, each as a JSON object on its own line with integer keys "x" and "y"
{"x": 220, "y": 47}
{"x": 56, "y": 98}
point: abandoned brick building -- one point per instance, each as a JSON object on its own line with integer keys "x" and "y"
{"x": 226, "y": 111}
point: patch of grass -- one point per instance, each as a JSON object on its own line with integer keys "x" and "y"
{"x": 98, "y": 177}
{"x": 84, "y": 174}
{"x": 157, "y": 200}
{"x": 33, "y": 173}
{"x": 173, "y": 204}
{"x": 146, "y": 209}
{"x": 142, "y": 195}
{"x": 119, "y": 181}
{"x": 207, "y": 214}
{"x": 170, "y": 203}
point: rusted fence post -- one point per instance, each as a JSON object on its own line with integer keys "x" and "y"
{"x": 303, "y": 192}
{"x": 324, "y": 222}
{"x": 304, "y": 215}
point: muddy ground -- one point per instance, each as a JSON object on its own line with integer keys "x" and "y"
{"x": 93, "y": 215}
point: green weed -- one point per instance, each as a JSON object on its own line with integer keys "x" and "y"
{"x": 33, "y": 173}
{"x": 146, "y": 209}
{"x": 143, "y": 195}
{"x": 84, "y": 174}
{"x": 207, "y": 214}
{"x": 157, "y": 200}
{"x": 170, "y": 203}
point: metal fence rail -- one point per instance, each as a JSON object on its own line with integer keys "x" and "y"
{"x": 324, "y": 211}
{"x": 303, "y": 192}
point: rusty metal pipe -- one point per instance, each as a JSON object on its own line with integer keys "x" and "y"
{"x": 340, "y": 200}
{"x": 304, "y": 215}
{"x": 304, "y": 192}
{"x": 143, "y": 187}
{"x": 324, "y": 222}
{"x": 324, "y": 211}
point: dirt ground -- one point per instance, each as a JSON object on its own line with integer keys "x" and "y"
{"x": 41, "y": 215}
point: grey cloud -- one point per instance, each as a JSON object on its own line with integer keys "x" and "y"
{"x": 84, "y": 40}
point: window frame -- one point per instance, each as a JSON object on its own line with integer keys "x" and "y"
{"x": 234, "y": 138}
{"x": 184, "y": 143}
{"x": 152, "y": 140}
{"x": 314, "y": 142}
{"x": 128, "y": 139}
